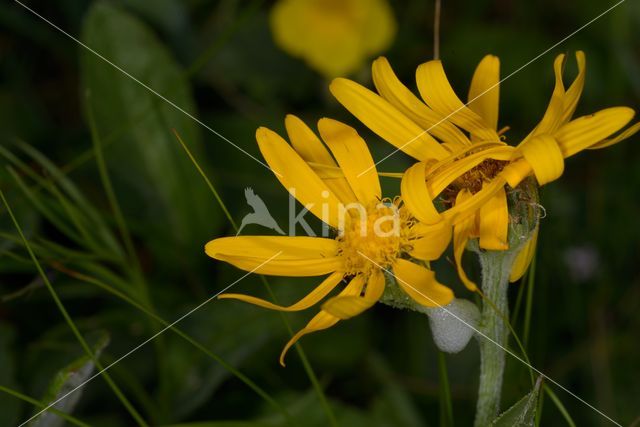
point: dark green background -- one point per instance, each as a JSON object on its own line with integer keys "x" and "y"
{"x": 379, "y": 369}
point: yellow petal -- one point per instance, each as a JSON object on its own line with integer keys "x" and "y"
{"x": 552, "y": 118}
{"x": 439, "y": 95}
{"x": 391, "y": 89}
{"x": 627, "y": 133}
{"x": 278, "y": 255}
{"x": 494, "y": 222}
{"x": 354, "y": 159}
{"x": 470, "y": 205}
{"x": 484, "y": 93}
{"x": 310, "y": 299}
{"x": 432, "y": 240}
{"x": 572, "y": 96}
{"x": 515, "y": 172}
{"x": 416, "y": 195}
{"x": 291, "y": 247}
{"x": 320, "y": 321}
{"x": 386, "y": 121}
{"x": 306, "y": 143}
{"x": 313, "y": 151}
{"x": 298, "y": 177}
{"x": 324, "y": 320}
{"x": 543, "y": 153}
{"x": 462, "y": 232}
{"x": 441, "y": 178}
{"x": 523, "y": 260}
{"x": 420, "y": 284}
{"x": 345, "y": 306}
{"x": 329, "y": 173}
{"x": 293, "y": 268}
{"x": 590, "y": 130}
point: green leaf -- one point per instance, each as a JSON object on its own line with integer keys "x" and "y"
{"x": 66, "y": 381}
{"x": 523, "y": 413}
{"x": 158, "y": 185}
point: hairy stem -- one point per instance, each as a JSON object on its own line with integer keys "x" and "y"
{"x": 496, "y": 267}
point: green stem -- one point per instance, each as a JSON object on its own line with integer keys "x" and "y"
{"x": 446, "y": 408}
{"x": 496, "y": 267}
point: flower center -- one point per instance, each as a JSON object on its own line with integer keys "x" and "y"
{"x": 473, "y": 179}
{"x": 373, "y": 236}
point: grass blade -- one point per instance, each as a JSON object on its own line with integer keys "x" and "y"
{"x": 556, "y": 401}
{"x": 111, "y": 290}
{"x": 132, "y": 411}
{"x": 73, "y": 420}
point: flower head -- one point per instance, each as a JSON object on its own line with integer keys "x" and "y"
{"x": 334, "y": 37}
{"x": 463, "y": 156}
{"x": 372, "y": 236}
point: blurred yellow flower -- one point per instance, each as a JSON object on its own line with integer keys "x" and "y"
{"x": 462, "y": 155}
{"x": 334, "y": 37}
{"x": 372, "y": 235}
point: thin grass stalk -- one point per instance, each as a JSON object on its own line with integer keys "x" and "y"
{"x": 120, "y": 395}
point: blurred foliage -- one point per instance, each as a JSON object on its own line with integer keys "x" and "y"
{"x": 117, "y": 215}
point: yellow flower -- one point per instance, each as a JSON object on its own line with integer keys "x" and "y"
{"x": 334, "y": 37}
{"x": 462, "y": 155}
{"x": 371, "y": 235}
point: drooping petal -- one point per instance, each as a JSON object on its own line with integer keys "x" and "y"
{"x": 416, "y": 195}
{"x": 484, "y": 93}
{"x": 298, "y": 177}
{"x": 345, "y": 306}
{"x": 420, "y": 284}
{"x": 386, "y": 121}
{"x": 432, "y": 240}
{"x": 524, "y": 258}
{"x": 309, "y": 300}
{"x": 462, "y": 232}
{"x": 586, "y": 131}
{"x": 324, "y": 320}
{"x": 320, "y": 321}
{"x": 354, "y": 159}
{"x": 494, "y": 222}
{"x": 391, "y": 89}
{"x": 278, "y": 255}
{"x": 436, "y": 91}
{"x": 313, "y": 151}
{"x": 543, "y": 153}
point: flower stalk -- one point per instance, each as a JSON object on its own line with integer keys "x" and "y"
{"x": 496, "y": 272}
{"x": 496, "y": 268}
